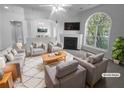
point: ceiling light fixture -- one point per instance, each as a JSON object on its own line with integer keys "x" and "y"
{"x": 6, "y": 7}
{"x": 57, "y": 8}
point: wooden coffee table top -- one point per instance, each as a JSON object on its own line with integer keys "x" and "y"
{"x": 50, "y": 59}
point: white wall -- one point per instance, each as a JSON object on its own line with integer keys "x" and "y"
{"x": 68, "y": 17}
{"x": 71, "y": 18}
{"x": 116, "y": 12}
{"x": 33, "y": 18}
{"x": 12, "y": 13}
{"x": 36, "y": 23}
{"x": 0, "y": 31}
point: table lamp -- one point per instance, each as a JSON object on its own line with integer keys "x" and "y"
{"x": 19, "y": 45}
{"x": 2, "y": 65}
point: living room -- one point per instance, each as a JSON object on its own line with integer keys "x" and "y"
{"x": 55, "y": 45}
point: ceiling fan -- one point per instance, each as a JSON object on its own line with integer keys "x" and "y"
{"x": 56, "y": 7}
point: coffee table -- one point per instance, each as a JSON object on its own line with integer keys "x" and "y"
{"x": 47, "y": 59}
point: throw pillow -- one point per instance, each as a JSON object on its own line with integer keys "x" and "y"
{"x": 39, "y": 45}
{"x": 14, "y": 52}
{"x": 10, "y": 57}
{"x": 95, "y": 58}
{"x": 35, "y": 44}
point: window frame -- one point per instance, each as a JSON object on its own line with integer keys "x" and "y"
{"x": 85, "y": 32}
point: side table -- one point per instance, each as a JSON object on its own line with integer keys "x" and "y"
{"x": 7, "y": 81}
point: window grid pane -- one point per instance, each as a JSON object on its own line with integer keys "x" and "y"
{"x": 97, "y": 31}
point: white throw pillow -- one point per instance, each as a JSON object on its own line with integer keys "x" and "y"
{"x": 14, "y": 52}
{"x": 10, "y": 57}
{"x": 95, "y": 58}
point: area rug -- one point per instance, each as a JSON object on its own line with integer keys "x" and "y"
{"x": 33, "y": 74}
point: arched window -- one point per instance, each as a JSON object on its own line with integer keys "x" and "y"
{"x": 97, "y": 30}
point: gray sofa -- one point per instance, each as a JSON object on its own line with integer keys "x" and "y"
{"x": 94, "y": 71}
{"x": 38, "y": 48}
{"x": 18, "y": 58}
{"x": 65, "y": 75}
{"x": 54, "y": 46}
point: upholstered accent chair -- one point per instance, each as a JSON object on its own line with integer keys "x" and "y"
{"x": 65, "y": 75}
{"x": 94, "y": 70}
{"x": 53, "y": 47}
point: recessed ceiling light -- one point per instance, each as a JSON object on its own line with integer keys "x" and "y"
{"x": 6, "y": 7}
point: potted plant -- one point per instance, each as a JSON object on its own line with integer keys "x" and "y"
{"x": 118, "y": 50}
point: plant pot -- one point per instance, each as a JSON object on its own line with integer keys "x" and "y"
{"x": 122, "y": 63}
{"x": 116, "y": 61}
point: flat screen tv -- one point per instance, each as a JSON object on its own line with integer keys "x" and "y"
{"x": 41, "y": 30}
{"x": 72, "y": 26}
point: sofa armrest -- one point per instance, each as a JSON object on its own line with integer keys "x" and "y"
{"x": 102, "y": 66}
{"x": 31, "y": 49}
{"x": 50, "y": 79}
{"x": 44, "y": 46}
{"x": 84, "y": 63}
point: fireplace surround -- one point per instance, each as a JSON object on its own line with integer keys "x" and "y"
{"x": 70, "y": 42}
{"x": 77, "y": 41}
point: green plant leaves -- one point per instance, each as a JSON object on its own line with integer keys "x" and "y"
{"x": 118, "y": 49}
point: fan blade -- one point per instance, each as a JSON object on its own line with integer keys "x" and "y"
{"x": 46, "y": 5}
{"x": 66, "y": 5}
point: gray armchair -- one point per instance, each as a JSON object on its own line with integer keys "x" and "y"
{"x": 65, "y": 75}
{"x": 54, "y": 47}
{"x": 94, "y": 71}
{"x": 38, "y": 50}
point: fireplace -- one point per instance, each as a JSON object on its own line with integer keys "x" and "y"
{"x": 70, "y": 42}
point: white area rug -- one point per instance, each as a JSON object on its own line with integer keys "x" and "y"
{"x": 33, "y": 72}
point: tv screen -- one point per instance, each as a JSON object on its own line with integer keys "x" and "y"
{"x": 72, "y": 26}
{"x": 41, "y": 30}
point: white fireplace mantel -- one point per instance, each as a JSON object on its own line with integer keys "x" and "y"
{"x": 79, "y": 37}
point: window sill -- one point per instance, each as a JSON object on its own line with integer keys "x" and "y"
{"x": 103, "y": 50}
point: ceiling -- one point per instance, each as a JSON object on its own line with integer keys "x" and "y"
{"x": 68, "y": 7}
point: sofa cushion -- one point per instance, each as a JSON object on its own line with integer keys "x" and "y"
{"x": 19, "y": 56}
{"x": 38, "y": 50}
{"x": 65, "y": 68}
{"x": 14, "y": 52}
{"x": 95, "y": 58}
{"x": 37, "y": 44}
{"x": 10, "y": 56}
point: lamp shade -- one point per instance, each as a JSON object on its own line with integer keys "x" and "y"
{"x": 19, "y": 45}
{"x": 2, "y": 63}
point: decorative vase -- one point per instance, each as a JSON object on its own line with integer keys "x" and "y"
{"x": 116, "y": 61}
{"x": 1, "y": 73}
